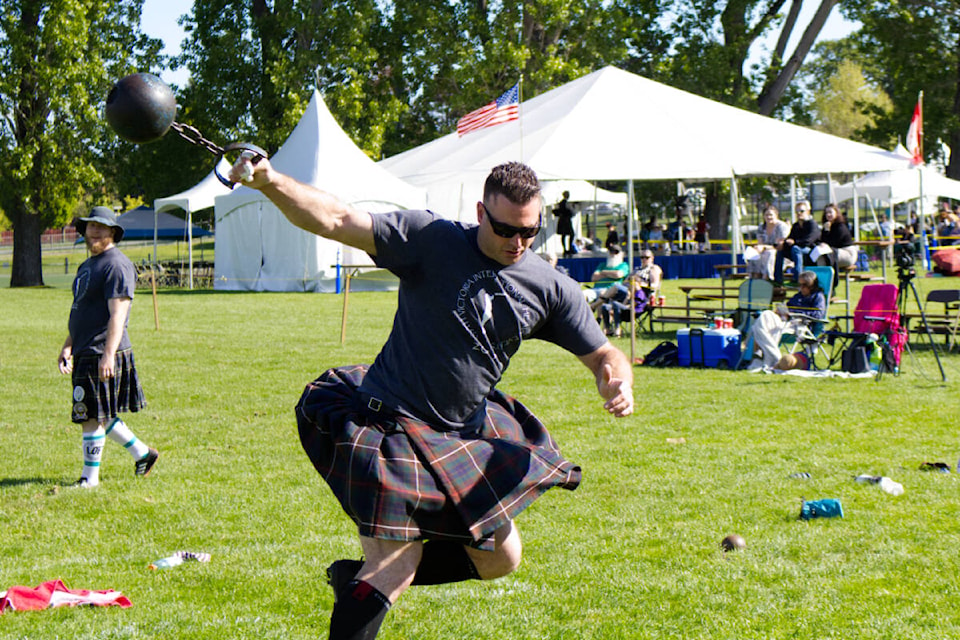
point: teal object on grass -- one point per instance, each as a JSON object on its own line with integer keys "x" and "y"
{"x": 827, "y": 508}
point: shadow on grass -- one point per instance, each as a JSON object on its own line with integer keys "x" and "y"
{"x": 19, "y": 482}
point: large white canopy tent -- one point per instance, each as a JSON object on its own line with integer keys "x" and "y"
{"x": 258, "y": 249}
{"x": 200, "y": 196}
{"x": 614, "y": 125}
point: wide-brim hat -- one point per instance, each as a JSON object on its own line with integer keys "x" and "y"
{"x": 106, "y": 217}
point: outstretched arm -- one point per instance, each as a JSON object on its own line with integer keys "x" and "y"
{"x": 614, "y": 377}
{"x": 307, "y": 207}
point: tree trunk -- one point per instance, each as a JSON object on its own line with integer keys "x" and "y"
{"x": 717, "y": 215}
{"x": 773, "y": 91}
{"x": 953, "y": 168}
{"x": 788, "y": 26}
{"x": 27, "y": 264}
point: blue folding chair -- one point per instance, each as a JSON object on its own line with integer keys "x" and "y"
{"x": 754, "y": 296}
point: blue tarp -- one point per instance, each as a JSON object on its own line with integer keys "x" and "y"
{"x": 674, "y": 266}
{"x": 138, "y": 225}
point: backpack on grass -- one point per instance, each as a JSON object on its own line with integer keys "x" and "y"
{"x": 665, "y": 354}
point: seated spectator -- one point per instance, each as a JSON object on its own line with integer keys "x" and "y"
{"x": 646, "y": 230}
{"x": 836, "y": 248}
{"x": 655, "y": 239}
{"x": 676, "y": 232}
{"x": 769, "y": 326}
{"x": 649, "y": 274}
{"x": 948, "y": 227}
{"x": 607, "y": 274}
{"x": 615, "y": 306}
{"x": 770, "y": 234}
{"x": 797, "y": 246}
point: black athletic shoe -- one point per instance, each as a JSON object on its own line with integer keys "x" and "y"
{"x": 142, "y": 466}
{"x": 83, "y": 483}
{"x": 342, "y": 572}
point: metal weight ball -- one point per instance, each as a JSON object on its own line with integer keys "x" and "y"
{"x": 141, "y": 107}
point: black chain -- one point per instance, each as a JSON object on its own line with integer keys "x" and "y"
{"x": 193, "y": 136}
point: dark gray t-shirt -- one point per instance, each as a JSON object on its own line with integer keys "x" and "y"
{"x": 461, "y": 316}
{"x": 99, "y": 278}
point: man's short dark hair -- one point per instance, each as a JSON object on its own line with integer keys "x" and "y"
{"x": 517, "y": 182}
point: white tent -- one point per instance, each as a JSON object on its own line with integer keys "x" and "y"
{"x": 615, "y": 125}
{"x": 200, "y": 196}
{"x": 894, "y": 187}
{"x": 922, "y": 184}
{"x": 257, "y": 249}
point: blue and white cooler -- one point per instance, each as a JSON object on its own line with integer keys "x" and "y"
{"x": 716, "y": 348}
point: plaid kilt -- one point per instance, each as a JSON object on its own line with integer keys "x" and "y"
{"x": 400, "y": 479}
{"x": 103, "y": 400}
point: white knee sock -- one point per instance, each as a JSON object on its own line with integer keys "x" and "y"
{"x": 120, "y": 433}
{"x": 92, "y": 452}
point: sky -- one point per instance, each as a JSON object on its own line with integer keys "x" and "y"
{"x": 159, "y": 20}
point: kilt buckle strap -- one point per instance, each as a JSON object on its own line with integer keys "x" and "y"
{"x": 374, "y": 404}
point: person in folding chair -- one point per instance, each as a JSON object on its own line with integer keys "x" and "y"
{"x": 765, "y": 333}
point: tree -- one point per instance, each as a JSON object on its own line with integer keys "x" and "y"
{"x": 57, "y": 62}
{"x": 913, "y": 46}
{"x": 780, "y": 77}
{"x": 253, "y": 65}
{"x": 846, "y": 103}
{"x": 446, "y": 59}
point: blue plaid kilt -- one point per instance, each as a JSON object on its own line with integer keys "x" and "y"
{"x": 399, "y": 478}
{"x": 104, "y": 399}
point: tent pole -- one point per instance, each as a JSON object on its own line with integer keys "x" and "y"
{"x": 793, "y": 199}
{"x": 737, "y": 240}
{"x": 631, "y": 207}
{"x": 856, "y": 213}
{"x": 883, "y": 250}
{"x": 923, "y": 225}
{"x": 189, "y": 250}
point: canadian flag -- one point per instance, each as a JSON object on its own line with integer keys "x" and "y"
{"x": 914, "y": 140}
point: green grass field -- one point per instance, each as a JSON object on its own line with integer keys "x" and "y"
{"x": 633, "y": 553}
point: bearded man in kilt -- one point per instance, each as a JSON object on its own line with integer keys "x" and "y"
{"x": 97, "y": 353}
{"x": 430, "y": 461}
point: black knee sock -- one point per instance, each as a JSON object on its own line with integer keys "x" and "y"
{"x": 444, "y": 561}
{"x": 358, "y": 613}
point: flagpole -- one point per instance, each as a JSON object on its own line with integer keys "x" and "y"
{"x": 520, "y": 113}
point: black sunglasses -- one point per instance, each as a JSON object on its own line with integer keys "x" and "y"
{"x": 508, "y": 230}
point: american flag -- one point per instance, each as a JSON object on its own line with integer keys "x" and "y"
{"x": 503, "y": 109}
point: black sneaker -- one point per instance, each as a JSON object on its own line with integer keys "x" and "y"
{"x": 82, "y": 483}
{"x": 142, "y": 466}
{"x": 340, "y": 573}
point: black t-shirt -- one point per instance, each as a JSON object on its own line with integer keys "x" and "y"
{"x": 838, "y": 235}
{"x": 805, "y": 233}
{"x": 99, "y": 278}
{"x": 461, "y": 316}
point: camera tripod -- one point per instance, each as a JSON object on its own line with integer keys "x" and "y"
{"x": 905, "y": 276}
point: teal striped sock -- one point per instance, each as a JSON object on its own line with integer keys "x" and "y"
{"x": 119, "y": 432}
{"x": 92, "y": 452}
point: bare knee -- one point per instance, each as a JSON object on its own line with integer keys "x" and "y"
{"x": 505, "y": 557}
